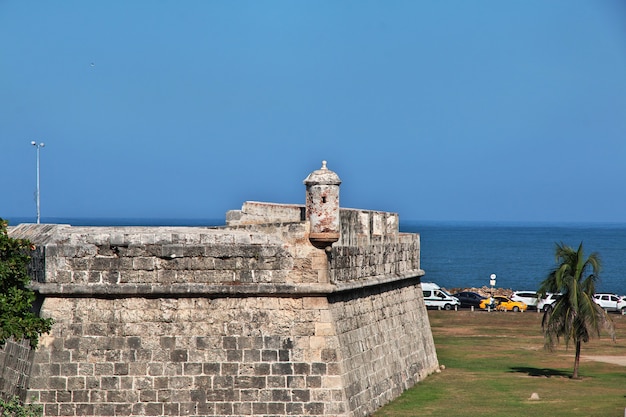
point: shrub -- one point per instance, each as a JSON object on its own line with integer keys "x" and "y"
{"x": 17, "y": 319}
{"x": 14, "y": 408}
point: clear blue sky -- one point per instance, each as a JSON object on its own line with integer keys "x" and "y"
{"x": 436, "y": 110}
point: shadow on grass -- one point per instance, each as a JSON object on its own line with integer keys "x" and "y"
{"x": 541, "y": 372}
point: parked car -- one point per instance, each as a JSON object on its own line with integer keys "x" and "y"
{"x": 610, "y": 302}
{"x": 435, "y": 296}
{"x": 504, "y": 303}
{"x": 469, "y": 299}
{"x": 527, "y": 297}
{"x": 546, "y": 303}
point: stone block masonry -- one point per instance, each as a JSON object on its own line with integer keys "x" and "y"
{"x": 189, "y": 356}
{"x": 245, "y": 319}
{"x": 15, "y": 364}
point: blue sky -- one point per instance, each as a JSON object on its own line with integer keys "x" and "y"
{"x": 436, "y": 110}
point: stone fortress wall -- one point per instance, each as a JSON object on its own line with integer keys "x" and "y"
{"x": 258, "y": 317}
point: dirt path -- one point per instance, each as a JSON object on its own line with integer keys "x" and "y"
{"x": 616, "y": 360}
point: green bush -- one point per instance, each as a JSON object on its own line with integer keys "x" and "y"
{"x": 14, "y": 408}
{"x": 17, "y": 319}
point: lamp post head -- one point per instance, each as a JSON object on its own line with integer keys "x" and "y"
{"x": 33, "y": 143}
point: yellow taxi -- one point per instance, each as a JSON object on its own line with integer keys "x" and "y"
{"x": 503, "y": 304}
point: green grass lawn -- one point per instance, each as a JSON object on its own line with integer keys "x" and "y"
{"x": 495, "y": 361}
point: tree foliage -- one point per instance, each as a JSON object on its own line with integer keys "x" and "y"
{"x": 17, "y": 319}
{"x": 575, "y": 316}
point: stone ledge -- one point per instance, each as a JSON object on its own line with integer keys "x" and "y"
{"x": 203, "y": 290}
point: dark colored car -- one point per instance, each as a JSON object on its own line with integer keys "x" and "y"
{"x": 469, "y": 299}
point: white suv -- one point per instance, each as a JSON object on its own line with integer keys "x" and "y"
{"x": 545, "y": 304}
{"x": 610, "y": 302}
{"x": 527, "y": 297}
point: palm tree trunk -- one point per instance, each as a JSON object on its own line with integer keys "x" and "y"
{"x": 576, "y": 360}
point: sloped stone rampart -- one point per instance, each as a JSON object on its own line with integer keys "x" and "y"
{"x": 343, "y": 355}
{"x": 382, "y": 355}
{"x": 192, "y": 356}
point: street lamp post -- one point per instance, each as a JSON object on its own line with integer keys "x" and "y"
{"x": 38, "y": 146}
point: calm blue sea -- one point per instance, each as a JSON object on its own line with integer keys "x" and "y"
{"x": 465, "y": 254}
{"x": 521, "y": 255}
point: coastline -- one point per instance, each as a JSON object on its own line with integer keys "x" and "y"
{"x": 484, "y": 291}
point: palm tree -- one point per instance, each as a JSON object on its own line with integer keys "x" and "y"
{"x": 575, "y": 316}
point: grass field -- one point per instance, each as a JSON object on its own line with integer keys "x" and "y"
{"x": 494, "y": 362}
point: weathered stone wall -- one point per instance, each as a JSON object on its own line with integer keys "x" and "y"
{"x": 230, "y": 356}
{"x": 366, "y": 227}
{"x": 189, "y": 356}
{"x": 384, "y": 346}
{"x": 354, "y": 264}
{"x": 249, "y": 319}
{"x": 15, "y": 365}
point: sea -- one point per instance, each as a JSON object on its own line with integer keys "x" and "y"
{"x": 466, "y": 254}
{"x": 521, "y": 255}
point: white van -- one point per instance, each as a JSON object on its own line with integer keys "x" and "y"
{"x": 434, "y": 296}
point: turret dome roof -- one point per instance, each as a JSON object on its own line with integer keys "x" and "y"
{"x": 322, "y": 176}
